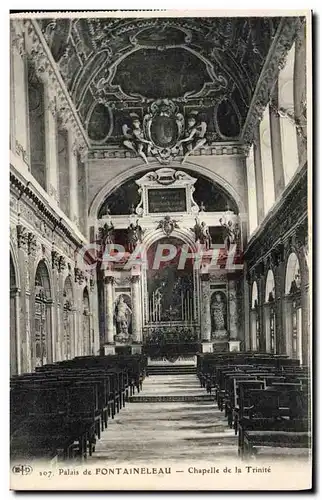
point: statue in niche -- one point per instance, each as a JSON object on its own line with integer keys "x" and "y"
{"x": 123, "y": 315}
{"x": 219, "y": 316}
{"x": 134, "y": 137}
{"x": 134, "y": 235}
{"x": 194, "y": 135}
{"x": 202, "y": 234}
{"x": 231, "y": 233}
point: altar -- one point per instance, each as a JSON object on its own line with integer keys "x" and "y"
{"x": 169, "y": 279}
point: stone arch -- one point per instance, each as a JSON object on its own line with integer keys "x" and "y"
{"x": 269, "y": 315}
{"x": 42, "y": 277}
{"x": 155, "y": 235}
{"x": 15, "y": 361}
{"x": 117, "y": 181}
{"x": 255, "y": 296}
{"x": 42, "y": 333}
{"x": 270, "y": 286}
{"x": 292, "y": 272}
{"x": 43, "y": 265}
{"x": 292, "y": 317}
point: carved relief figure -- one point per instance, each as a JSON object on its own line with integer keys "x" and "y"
{"x": 194, "y": 135}
{"x": 219, "y": 315}
{"x": 123, "y": 318}
{"x": 134, "y": 137}
{"x": 134, "y": 235}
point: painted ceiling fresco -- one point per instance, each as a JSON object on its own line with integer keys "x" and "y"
{"x": 114, "y": 67}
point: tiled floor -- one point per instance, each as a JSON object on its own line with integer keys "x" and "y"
{"x": 171, "y": 430}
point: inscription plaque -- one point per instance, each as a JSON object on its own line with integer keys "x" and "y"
{"x": 167, "y": 200}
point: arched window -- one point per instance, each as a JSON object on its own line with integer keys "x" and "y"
{"x": 41, "y": 336}
{"x": 88, "y": 341}
{"x": 293, "y": 310}
{"x": 36, "y": 108}
{"x": 63, "y": 165}
{"x": 254, "y": 319}
{"x": 269, "y": 313}
{"x": 286, "y": 112}
{"x": 267, "y": 162}
{"x": 68, "y": 335}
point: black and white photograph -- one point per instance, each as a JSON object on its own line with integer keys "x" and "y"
{"x": 160, "y": 250}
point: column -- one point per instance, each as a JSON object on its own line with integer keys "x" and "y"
{"x": 306, "y": 339}
{"x": 279, "y": 308}
{"x": 232, "y": 301}
{"x": 247, "y": 308}
{"x": 205, "y": 313}
{"x": 276, "y": 143}
{"x": 51, "y": 145}
{"x": 24, "y": 313}
{"x": 234, "y": 342}
{"x": 136, "y": 309}
{"x": 50, "y": 329}
{"x": 15, "y": 346}
{"x": 109, "y": 309}
{"x": 73, "y": 178}
{"x": 261, "y": 301}
{"x": 258, "y": 176}
{"x": 76, "y": 349}
{"x": 57, "y": 291}
{"x": 53, "y": 331}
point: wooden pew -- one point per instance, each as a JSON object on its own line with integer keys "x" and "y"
{"x": 71, "y": 401}
{"x": 273, "y": 417}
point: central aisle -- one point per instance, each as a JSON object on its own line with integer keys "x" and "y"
{"x": 186, "y": 430}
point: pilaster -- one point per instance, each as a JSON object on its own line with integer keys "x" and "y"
{"x": 205, "y": 304}
{"x": 136, "y": 309}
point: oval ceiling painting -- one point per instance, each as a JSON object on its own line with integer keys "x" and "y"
{"x": 161, "y": 74}
{"x": 164, "y": 131}
{"x": 100, "y": 124}
{"x": 227, "y": 119}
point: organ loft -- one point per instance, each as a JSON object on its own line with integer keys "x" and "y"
{"x": 158, "y": 211}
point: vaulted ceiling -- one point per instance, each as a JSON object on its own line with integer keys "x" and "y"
{"x": 112, "y": 67}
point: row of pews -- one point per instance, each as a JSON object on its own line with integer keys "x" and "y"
{"x": 59, "y": 411}
{"x": 265, "y": 398}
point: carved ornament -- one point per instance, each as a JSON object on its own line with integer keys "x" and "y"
{"x": 22, "y": 236}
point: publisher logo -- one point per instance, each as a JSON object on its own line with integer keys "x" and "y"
{"x": 22, "y": 470}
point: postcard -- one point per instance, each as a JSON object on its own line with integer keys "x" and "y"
{"x": 160, "y": 250}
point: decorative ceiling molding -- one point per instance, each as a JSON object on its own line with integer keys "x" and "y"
{"x": 46, "y": 68}
{"x": 224, "y": 149}
{"x": 284, "y": 38}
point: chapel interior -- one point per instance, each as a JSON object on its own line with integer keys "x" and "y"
{"x": 180, "y": 144}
